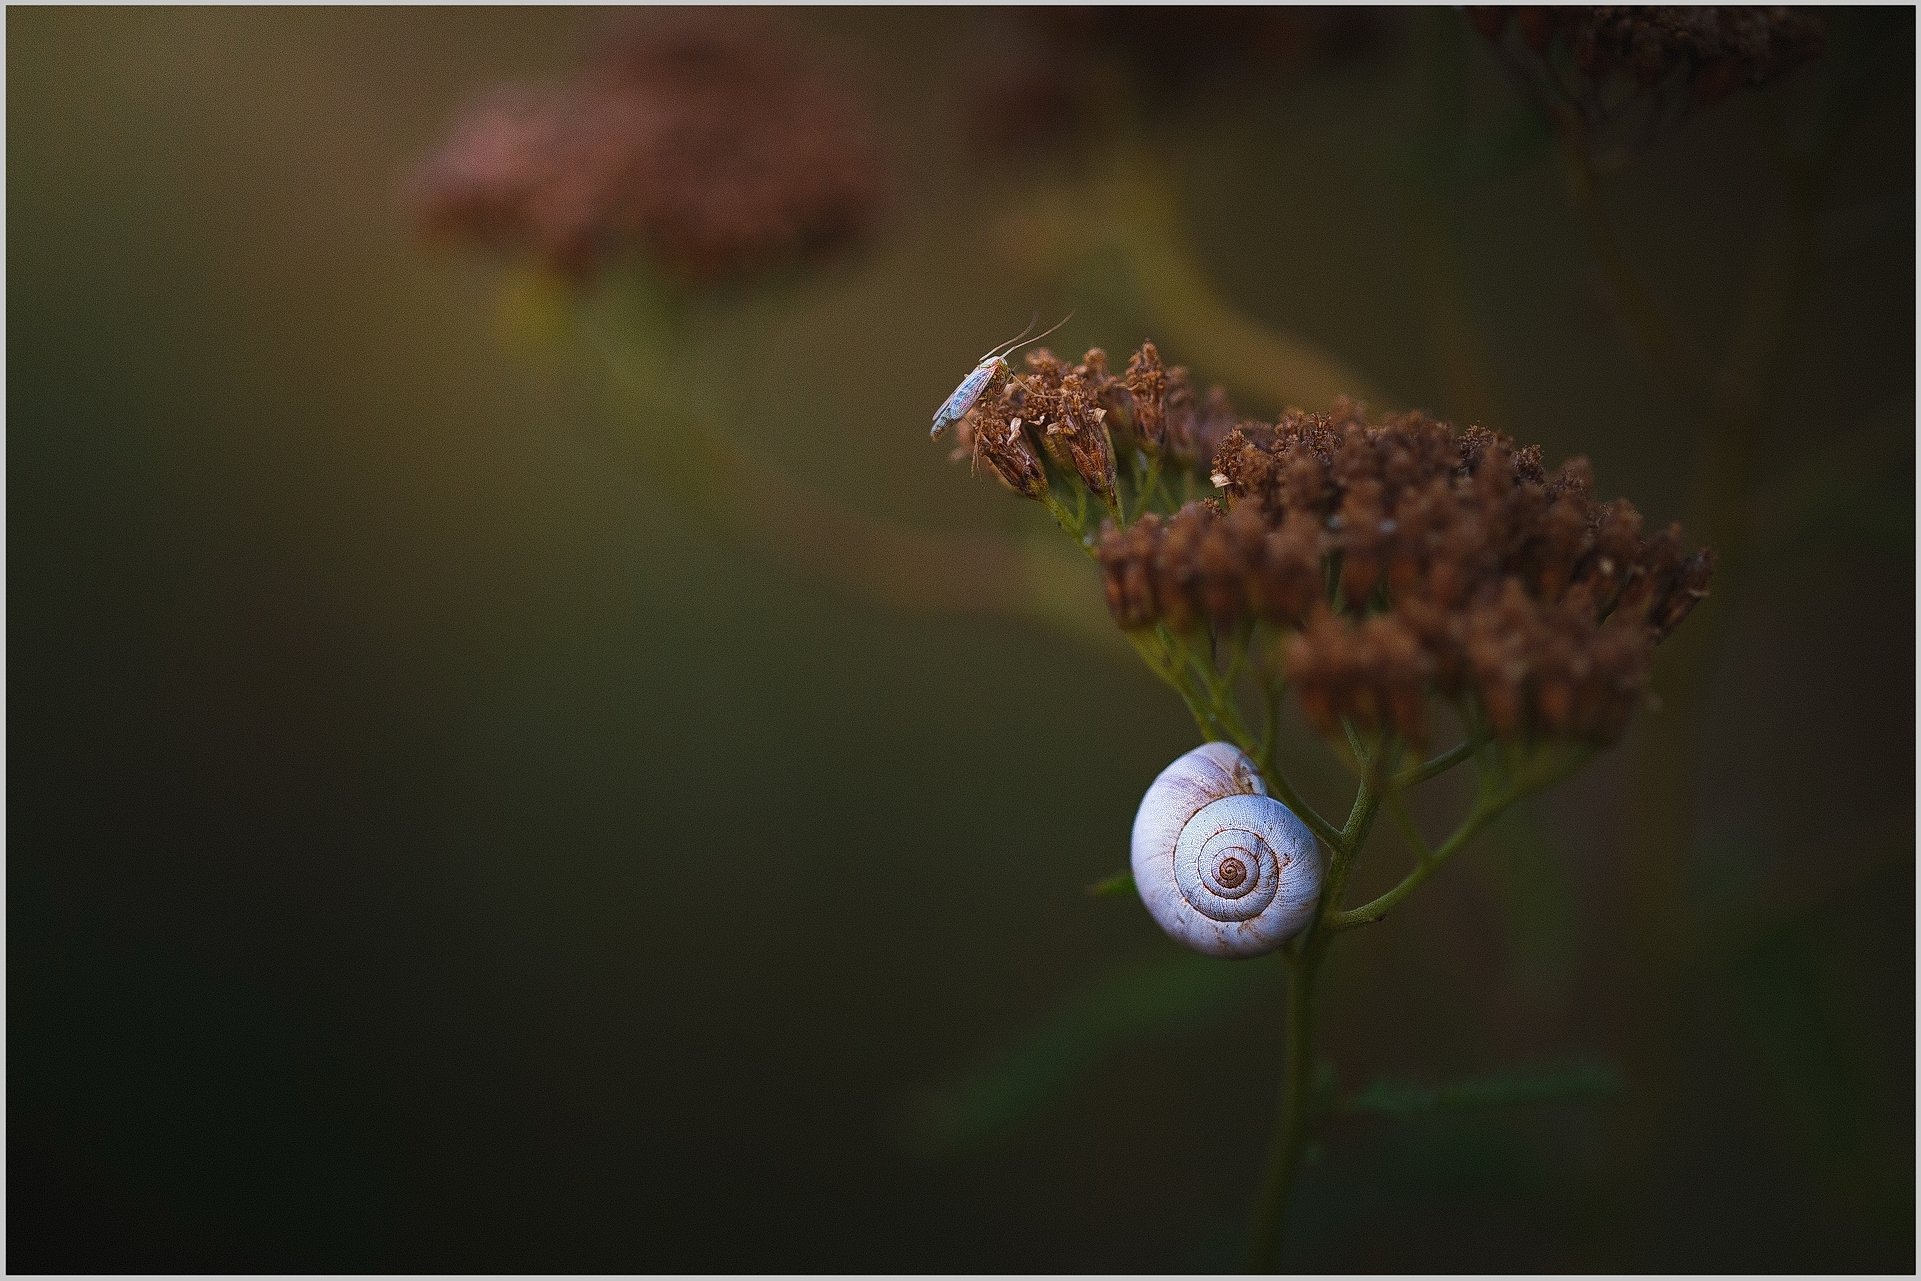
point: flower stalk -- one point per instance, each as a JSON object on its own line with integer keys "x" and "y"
{"x": 1269, "y": 1231}
{"x": 1372, "y": 569}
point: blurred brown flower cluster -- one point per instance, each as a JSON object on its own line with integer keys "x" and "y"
{"x": 1645, "y": 67}
{"x": 704, "y": 139}
{"x": 1078, "y": 415}
{"x": 1404, "y": 559}
{"x": 1042, "y": 86}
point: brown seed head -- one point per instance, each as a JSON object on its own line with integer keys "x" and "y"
{"x": 1147, "y": 384}
{"x": 1086, "y": 420}
{"x": 705, "y": 140}
{"x": 1000, "y": 436}
{"x": 1626, "y": 74}
{"x": 1412, "y": 560}
{"x": 1044, "y": 80}
{"x": 1075, "y": 433}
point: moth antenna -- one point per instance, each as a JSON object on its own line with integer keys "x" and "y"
{"x": 1002, "y": 348}
{"x": 1037, "y": 337}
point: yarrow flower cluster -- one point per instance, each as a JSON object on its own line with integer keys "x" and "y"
{"x": 1078, "y": 415}
{"x": 708, "y": 142}
{"x": 1645, "y": 68}
{"x": 1041, "y": 85}
{"x": 1392, "y": 561}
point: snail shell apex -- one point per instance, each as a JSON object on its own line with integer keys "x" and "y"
{"x": 1220, "y": 865}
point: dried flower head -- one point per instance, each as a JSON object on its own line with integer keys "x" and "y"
{"x": 1391, "y": 561}
{"x": 705, "y": 140}
{"x": 1401, "y": 560}
{"x": 1006, "y": 445}
{"x": 1625, "y": 75}
{"x": 1085, "y": 417}
{"x": 1042, "y": 86}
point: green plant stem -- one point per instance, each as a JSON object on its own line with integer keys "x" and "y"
{"x": 1269, "y": 1232}
{"x": 1210, "y": 699}
{"x": 1428, "y": 863}
{"x": 1216, "y": 716}
{"x": 1539, "y": 773}
{"x": 1152, "y": 647}
{"x": 1437, "y": 764}
{"x": 1353, "y": 835}
{"x": 1404, "y": 823}
{"x": 1277, "y": 784}
{"x": 1355, "y": 745}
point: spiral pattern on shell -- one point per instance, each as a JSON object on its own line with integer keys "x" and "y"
{"x": 1222, "y": 866}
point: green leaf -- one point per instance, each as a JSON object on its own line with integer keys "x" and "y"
{"x": 1121, "y": 883}
{"x": 1515, "y": 1086}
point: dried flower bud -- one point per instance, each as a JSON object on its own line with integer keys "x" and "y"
{"x": 1076, "y": 436}
{"x": 1126, "y": 558}
{"x": 1147, "y": 384}
{"x": 1111, "y": 396}
{"x": 1006, "y": 448}
{"x": 1689, "y": 589}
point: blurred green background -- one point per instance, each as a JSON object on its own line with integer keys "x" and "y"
{"x": 432, "y": 848}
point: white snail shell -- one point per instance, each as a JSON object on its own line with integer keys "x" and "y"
{"x": 1221, "y": 865}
